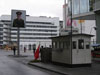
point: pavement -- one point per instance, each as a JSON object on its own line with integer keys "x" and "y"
{"x": 9, "y": 66}
{"x": 62, "y": 70}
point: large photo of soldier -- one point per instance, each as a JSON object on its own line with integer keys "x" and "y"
{"x": 18, "y": 18}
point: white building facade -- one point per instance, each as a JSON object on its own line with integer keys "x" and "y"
{"x": 1, "y": 33}
{"x": 37, "y": 31}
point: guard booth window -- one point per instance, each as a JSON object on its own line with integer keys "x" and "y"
{"x": 57, "y": 44}
{"x": 81, "y": 44}
{"x": 54, "y": 44}
{"x": 61, "y": 44}
{"x": 74, "y": 44}
{"x": 87, "y": 45}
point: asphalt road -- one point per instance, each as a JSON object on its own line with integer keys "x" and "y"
{"x": 9, "y": 66}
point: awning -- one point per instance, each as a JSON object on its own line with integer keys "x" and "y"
{"x": 95, "y": 45}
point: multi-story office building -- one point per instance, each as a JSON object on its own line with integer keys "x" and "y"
{"x": 86, "y": 10}
{"x": 81, "y": 6}
{"x": 1, "y": 33}
{"x": 61, "y": 24}
{"x": 37, "y": 31}
{"x": 78, "y": 26}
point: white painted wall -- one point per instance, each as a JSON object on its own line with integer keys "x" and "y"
{"x": 81, "y": 56}
{"x": 87, "y": 28}
{"x": 63, "y": 56}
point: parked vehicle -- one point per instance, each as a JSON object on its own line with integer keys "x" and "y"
{"x": 96, "y": 51}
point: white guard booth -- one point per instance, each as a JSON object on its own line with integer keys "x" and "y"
{"x": 73, "y": 51}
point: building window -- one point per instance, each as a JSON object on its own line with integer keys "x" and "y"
{"x": 68, "y": 44}
{"x": 78, "y": 6}
{"x": 75, "y": 8}
{"x": 81, "y": 44}
{"x": 61, "y": 44}
{"x": 54, "y": 44}
{"x": 74, "y": 44}
{"x": 84, "y": 6}
{"x": 1, "y": 29}
{"x": 1, "y": 42}
{"x": 65, "y": 45}
{"x": 87, "y": 45}
{"x": 1, "y": 25}
{"x": 34, "y": 47}
{"x": 91, "y": 4}
{"x": 29, "y": 46}
{"x": 39, "y": 22}
{"x": 57, "y": 44}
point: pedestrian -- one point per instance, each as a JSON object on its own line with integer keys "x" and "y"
{"x": 24, "y": 49}
{"x": 34, "y": 48}
{"x": 14, "y": 50}
{"x": 41, "y": 48}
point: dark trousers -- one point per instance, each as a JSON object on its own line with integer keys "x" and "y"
{"x": 34, "y": 51}
{"x": 14, "y": 52}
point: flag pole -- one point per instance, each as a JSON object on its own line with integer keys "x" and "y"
{"x": 64, "y": 14}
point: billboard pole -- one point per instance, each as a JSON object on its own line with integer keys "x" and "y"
{"x": 18, "y": 41}
{"x": 18, "y": 21}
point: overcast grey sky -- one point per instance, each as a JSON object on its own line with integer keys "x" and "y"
{"x": 51, "y": 8}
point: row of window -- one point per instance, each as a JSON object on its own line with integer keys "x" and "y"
{"x": 31, "y": 46}
{"x": 1, "y": 25}
{"x": 37, "y": 26}
{"x": 31, "y": 22}
{"x": 33, "y": 34}
{"x": 30, "y": 38}
{"x": 1, "y": 29}
{"x": 40, "y": 22}
{"x": 66, "y": 44}
{"x": 79, "y": 6}
{"x": 1, "y": 33}
{"x": 5, "y": 21}
{"x": 1, "y": 42}
{"x": 1, "y": 38}
{"x": 41, "y": 26}
{"x": 35, "y": 30}
{"x": 8, "y": 24}
{"x": 80, "y": 44}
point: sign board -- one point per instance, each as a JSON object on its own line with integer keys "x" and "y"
{"x": 18, "y": 18}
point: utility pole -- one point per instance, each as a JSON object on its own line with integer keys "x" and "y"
{"x": 71, "y": 32}
{"x": 18, "y": 42}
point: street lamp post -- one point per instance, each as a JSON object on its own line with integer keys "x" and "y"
{"x": 71, "y": 33}
{"x": 93, "y": 28}
{"x": 70, "y": 30}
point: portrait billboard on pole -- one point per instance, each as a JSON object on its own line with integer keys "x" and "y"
{"x": 18, "y": 18}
